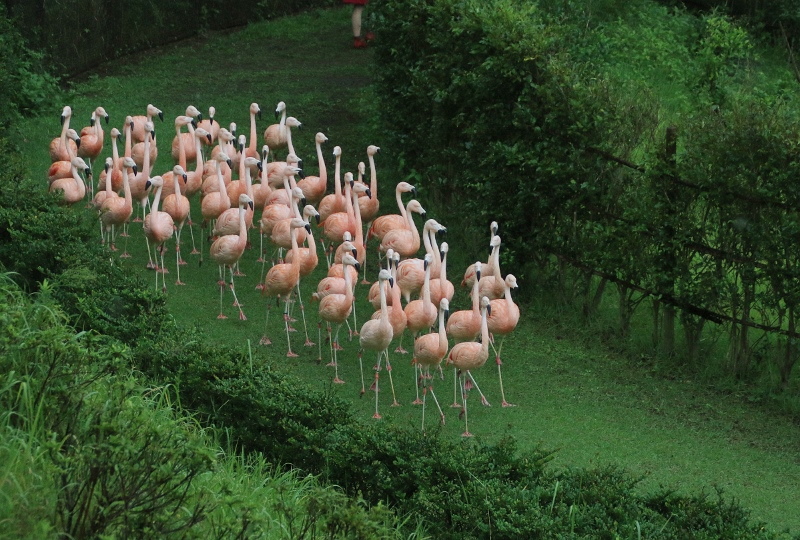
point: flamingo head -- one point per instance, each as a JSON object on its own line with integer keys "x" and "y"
{"x": 372, "y": 150}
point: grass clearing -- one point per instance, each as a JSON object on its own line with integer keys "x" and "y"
{"x": 572, "y": 394}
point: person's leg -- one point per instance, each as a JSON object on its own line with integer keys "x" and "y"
{"x": 356, "y": 19}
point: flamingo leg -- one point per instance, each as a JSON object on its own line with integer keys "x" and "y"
{"x": 308, "y": 342}
{"x": 377, "y": 415}
{"x": 419, "y": 380}
{"x": 264, "y": 339}
{"x": 289, "y": 353}
{"x": 125, "y": 254}
{"x": 361, "y": 367}
{"x": 433, "y": 394}
{"x": 395, "y": 403}
{"x": 221, "y": 293}
{"x": 191, "y": 232}
{"x": 456, "y": 404}
{"x": 336, "y": 378}
{"x": 163, "y": 270}
{"x": 484, "y": 401}
{"x": 242, "y": 316}
{"x": 331, "y": 346}
{"x": 178, "y": 260}
{"x": 464, "y": 409}
{"x": 500, "y": 374}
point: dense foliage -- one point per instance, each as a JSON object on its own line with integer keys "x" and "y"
{"x": 660, "y": 160}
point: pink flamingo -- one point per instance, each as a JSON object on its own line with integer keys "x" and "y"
{"x": 60, "y": 148}
{"x": 314, "y": 186}
{"x": 281, "y": 280}
{"x": 63, "y": 168}
{"x": 465, "y": 325}
{"x": 72, "y": 190}
{"x": 335, "y": 309}
{"x": 334, "y": 202}
{"x": 421, "y": 313}
{"x": 92, "y": 141}
{"x": 139, "y": 182}
{"x": 158, "y": 227}
{"x": 383, "y": 224}
{"x": 275, "y": 136}
{"x": 503, "y": 320}
{"x": 405, "y": 241}
{"x": 213, "y": 204}
{"x": 184, "y": 142}
{"x": 375, "y": 335}
{"x": 470, "y": 271}
{"x": 441, "y": 287}
{"x": 140, "y": 127}
{"x": 411, "y": 272}
{"x": 177, "y": 206}
{"x": 209, "y": 125}
{"x": 117, "y": 211}
{"x": 469, "y": 355}
{"x": 228, "y": 249}
{"x": 252, "y": 150}
{"x": 429, "y": 351}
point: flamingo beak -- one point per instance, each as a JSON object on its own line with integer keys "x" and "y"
{"x": 441, "y": 254}
{"x": 442, "y": 232}
{"x": 424, "y": 215}
{"x": 105, "y": 167}
{"x": 414, "y": 192}
{"x": 148, "y": 184}
{"x": 301, "y": 174}
{"x": 107, "y": 119}
{"x": 161, "y": 115}
{"x": 200, "y": 117}
{"x": 131, "y": 126}
{"x": 250, "y": 204}
{"x": 308, "y": 228}
{"x": 391, "y": 282}
{"x": 303, "y": 202}
{"x": 277, "y": 114}
{"x": 424, "y": 264}
{"x": 446, "y": 316}
{"x": 369, "y": 193}
{"x": 260, "y": 166}
{"x": 208, "y": 136}
{"x": 185, "y": 178}
{"x": 211, "y": 119}
{"x": 91, "y": 122}
{"x": 135, "y": 169}
{"x": 78, "y": 142}
{"x": 258, "y": 114}
{"x": 230, "y": 163}
{"x": 478, "y": 275}
{"x": 489, "y": 310}
{"x": 194, "y": 123}
{"x": 357, "y": 267}
{"x": 63, "y": 119}
{"x": 355, "y": 252}
{"x": 317, "y": 218}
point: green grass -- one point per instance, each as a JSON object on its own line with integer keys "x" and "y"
{"x": 572, "y": 394}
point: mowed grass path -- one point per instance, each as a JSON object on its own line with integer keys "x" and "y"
{"x": 593, "y": 407}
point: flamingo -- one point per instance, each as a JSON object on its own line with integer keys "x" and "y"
{"x": 374, "y": 296}
{"x": 169, "y": 185}
{"x": 209, "y": 125}
{"x": 375, "y": 335}
{"x": 101, "y": 196}
{"x": 262, "y": 190}
{"x": 214, "y": 203}
{"x": 138, "y": 133}
{"x": 63, "y": 168}
{"x": 224, "y": 144}
{"x": 228, "y": 221}
{"x": 276, "y": 165}
{"x": 469, "y": 355}
{"x": 92, "y": 141}
{"x": 239, "y": 186}
{"x": 405, "y": 241}
{"x": 281, "y": 280}
{"x": 314, "y": 186}
{"x": 492, "y": 285}
{"x": 469, "y": 273}
{"x": 441, "y": 287}
{"x": 383, "y": 224}
{"x": 429, "y": 351}
{"x": 158, "y": 227}
{"x": 251, "y": 150}
{"x": 335, "y": 309}
{"x": 465, "y": 325}
{"x": 228, "y": 249}
{"x": 421, "y": 313}
{"x": 184, "y": 142}
{"x": 60, "y": 148}
{"x": 503, "y": 320}
{"x": 177, "y": 206}
{"x": 397, "y": 315}
{"x": 370, "y": 206}
{"x": 73, "y": 189}
{"x": 139, "y": 182}
{"x": 334, "y": 202}
{"x": 117, "y": 211}
{"x": 275, "y": 136}
{"x": 116, "y": 164}
{"x": 411, "y": 272}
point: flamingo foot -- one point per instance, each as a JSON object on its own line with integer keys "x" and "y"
{"x": 455, "y": 405}
{"x": 441, "y": 420}
{"x": 417, "y": 402}
{"x": 365, "y": 282}
{"x": 125, "y": 255}
{"x": 507, "y": 404}
{"x": 220, "y": 283}
{"x": 163, "y": 270}
{"x": 221, "y": 316}
{"x": 331, "y": 364}
{"x": 112, "y": 247}
{"x": 181, "y": 262}
{"x": 124, "y": 235}
{"x": 466, "y": 434}
{"x": 242, "y": 316}
{"x": 260, "y": 260}
{"x": 377, "y": 416}
{"x": 194, "y": 252}
{"x": 291, "y": 354}
{"x": 372, "y": 387}
{"x": 237, "y": 304}
{"x": 137, "y": 220}
{"x": 260, "y": 287}
{"x": 400, "y": 350}
{"x": 239, "y": 274}
{"x": 395, "y": 404}
{"x": 265, "y": 341}
{"x": 151, "y": 266}
{"x": 497, "y": 361}
{"x": 337, "y": 380}
{"x": 485, "y": 402}
{"x": 179, "y": 282}
{"x": 337, "y": 347}
{"x": 468, "y": 385}
{"x": 291, "y": 328}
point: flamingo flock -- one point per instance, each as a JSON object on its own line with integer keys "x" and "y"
{"x": 241, "y": 187}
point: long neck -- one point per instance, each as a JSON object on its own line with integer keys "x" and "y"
{"x": 359, "y": 228}
{"x": 146, "y": 162}
{"x": 220, "y": 181}
{"x": 496, "y": 262}
{"x": 127, "y": 140}
{"x": 399, "y": 199}
{"x": 414, "y": 231}
{"x": 177, "y": 183}
{"x": 475, "y": 298}
{"x": 484, "y": 333}
{"x": 242, "y": 166}
{"x": 442, "y": 331}
{"x": 295, "y": 254}
{"x": 64, "y": 128}
{"x": 348, "y": 283}
{"x": 198, "y": 167}
{"x": 373, "y": 176}
{"x": 426, "y": 288}
{"x": 348, "y": 202}
{"x": 323, "y": 171}
{"x": 109, "y": 191}
{"x": 443, "y": 269}
{"x": 253, "y": 135}
{"x": 337, "y": 177}
{"x": 80, "y": 186}
{"x": 181, "y": 148}
{"x": 248, "y": 182}
{"x": 126, "y": 185}
{"x": 289, "y": 140}
{"x": 115, "y": 154}
{"x": 384, "y": 311}
{"x": 156, "y": 200}
{"x": 242, "y": 226}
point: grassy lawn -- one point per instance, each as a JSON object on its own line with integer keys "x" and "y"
{"x": 572, "y": 395}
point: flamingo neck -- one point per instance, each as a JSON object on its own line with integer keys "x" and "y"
{"x": 220, "y": 181}
{"x": 115, "y": 154}
{"x": 177, "y": 183}
{"x": 126, "y": 186}
{"x": 384, "y": 311}
{"x": 127, "y": 134}
{"x": 181, "y": 149}
{"x": 357, "y": 217}
{"x": 337, "y": 178}
{"x": 156, "y": 201}
{"x": 146, "y": 161}
{"x": 252, "y": 146}
{"x": 80, "y": 187}
{"x": 484, "y": 333}
{"x": 442, "y": 331}
{"x": 323, "y": 171}
{"x": 373, "y": 176}
{"x": 398, "y": 197}
{"x": 198, "y": 166}
{"x": 242, "y": 226}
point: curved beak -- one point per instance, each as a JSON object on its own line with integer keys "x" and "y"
{"x": 148, "y": 184}
{"x": 424, "y": 215}
{"x": 442, "y": 232}
{"x": 91, "y": 122}
{"x": 250, "y": 204}
{"x": 230, "y": 163}
{"x": 107, "y": 119}
{"x": 355, "y": 252}
{"x": 78, "y": 142}
{"x": 200, "y": 117}
{"x": 185, "y": 178}
{"x": 441, "y": 254}
{"x": 317, "y": 218}
{"x": 303, "y": 202}
{"x": 357, "y": 266}
{"x": 478, "y": 275}
{"x": 414, "y": 191}
{"x": 446, "y": 316}
{"x": 277, "y": 114}
{"x": 301, "y": 174}
{"x": 308, "y": 228}
{"x": 131, "y": 126}
{"x": 135, "y": 169}
{"x": 63, "y": 119}
{"x": 369, "y": 193}
{"x": 391, "y": 282}
{"x": 260, "y": 165}
{"x": 194, "y": 123}
{"x": 489, "y": 310}
{"x": 208, "y": 137}
{"x": 161, "y": 116}
{"x": 258, "y": 114}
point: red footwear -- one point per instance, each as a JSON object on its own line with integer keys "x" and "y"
{"x": 369, "y": 36}
{"x": 359, "y": 43}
